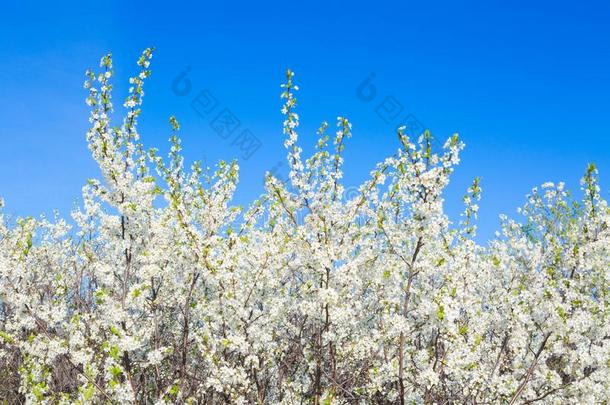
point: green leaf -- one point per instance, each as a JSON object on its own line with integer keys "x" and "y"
{"x": 440, "y": 313}
{"x": 88, "y": 393}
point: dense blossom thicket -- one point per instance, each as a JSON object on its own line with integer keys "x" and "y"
{"x": 164, "y": 292}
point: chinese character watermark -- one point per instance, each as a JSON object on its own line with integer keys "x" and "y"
{"x": 220, "y": 118}
{"x": 390, "y": 110}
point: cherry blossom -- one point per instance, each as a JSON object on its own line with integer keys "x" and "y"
{"x": 161, "y": 290}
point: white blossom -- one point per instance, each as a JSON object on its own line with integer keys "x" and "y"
{"x": 165, "y": 292}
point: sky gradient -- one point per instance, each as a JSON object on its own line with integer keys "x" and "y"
{"x": 527, "y": 87}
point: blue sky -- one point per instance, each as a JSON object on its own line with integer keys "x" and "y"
{"x": 527, "y": 86}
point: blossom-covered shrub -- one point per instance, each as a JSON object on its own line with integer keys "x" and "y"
{"x": 162, "y": 291}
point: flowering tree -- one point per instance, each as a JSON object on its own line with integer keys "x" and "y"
{"x": 164, "y": 292}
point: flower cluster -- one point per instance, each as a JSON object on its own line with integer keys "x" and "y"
{"x": 162, "y": 291}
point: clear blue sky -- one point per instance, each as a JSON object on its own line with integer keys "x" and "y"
{"x": 526, "y": 84}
